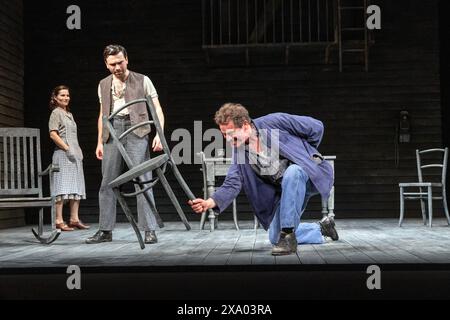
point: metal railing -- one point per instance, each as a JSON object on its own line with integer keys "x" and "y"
{"x": 252, "y": 23}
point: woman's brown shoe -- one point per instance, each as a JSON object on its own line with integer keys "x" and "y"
{"x": 64, "y": 227}
{"x": 79, "y": 225}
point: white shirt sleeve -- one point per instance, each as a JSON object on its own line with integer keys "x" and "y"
{"x": 99, "y": 94}
{"x": 149, "y": 88}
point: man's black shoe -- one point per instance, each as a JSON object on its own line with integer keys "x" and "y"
{"x": 286, "y": 245}
{"x": 100, "y": 236}
{"x": 327, "y": 227}
{"x": 150, "y": 237}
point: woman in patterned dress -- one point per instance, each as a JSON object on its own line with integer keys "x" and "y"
{"x": 69, "y": 181}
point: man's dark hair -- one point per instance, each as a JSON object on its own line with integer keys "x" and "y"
{"x": 235, "y": 112}
{"x": 114, "y": 49}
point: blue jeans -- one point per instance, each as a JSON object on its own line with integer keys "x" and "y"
{"x": 296, "y": 189}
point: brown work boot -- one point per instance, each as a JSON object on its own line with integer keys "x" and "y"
{"x": 286, "y": 245}
{"x": 327, "y": 227}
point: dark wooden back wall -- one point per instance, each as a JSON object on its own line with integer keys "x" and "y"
{"x": 360, "y": 110}
{"x": 11, "y": 82}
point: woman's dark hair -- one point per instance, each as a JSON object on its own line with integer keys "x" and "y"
{"x": 53, "y": 103}
{"x": 114, "y": 49}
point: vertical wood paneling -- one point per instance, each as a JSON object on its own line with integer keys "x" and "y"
{"x": 11, "y": 84}
{"x": 163, "y": 39}
{"x": 444, "y": 37}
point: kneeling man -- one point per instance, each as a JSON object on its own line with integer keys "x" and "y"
{"x": 275, "y": 160}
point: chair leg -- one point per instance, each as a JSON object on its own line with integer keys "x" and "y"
{"x": 331, "y": 203}
{"x": 181, "y": 180}
{"x": 53, "y": 215}
{"x": 205, "y": 196}
{"x": 402, "y": 207}
{"x": 211, "y": 215}
{"x": 202, "y": 220}
{"x": 216, "y": 221}
{"x": 422, "y": 207}
{"x": 41, "y": 222}
{"x": 173, "y": 198}
{"x": 255, "y": 223}
{"x": 430, "y": 206}
{"x": 130, "y": 217}
{"x": 39, "y": 234}
{"x": 235, "y": 219}
{"x": 212, "y": 220}
{"x": 444, "y": 200}
{"x": 47, "y": 240}
{"x": 324, "y": 207}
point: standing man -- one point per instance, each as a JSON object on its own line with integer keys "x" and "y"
{"x": 275, "y": 160}
{"x": 114, "y": 91}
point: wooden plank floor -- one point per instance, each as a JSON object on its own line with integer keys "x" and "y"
{"x": 362, "y": 241}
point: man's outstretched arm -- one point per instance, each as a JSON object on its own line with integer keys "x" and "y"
{"x": 200, "y": 205}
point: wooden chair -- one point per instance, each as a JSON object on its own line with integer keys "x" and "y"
{"x": 426, "y": 186}
{"x": 328, "y": 204}
{"x": 21, "y": 178}
{"x": 157, "y": 164}
{"x": 218, "y": 166}
{"x": 212, "y": 168}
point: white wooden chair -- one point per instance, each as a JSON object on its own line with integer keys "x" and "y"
{"x": 218, "y": 166}
{"x": 425, "y": 186}
{"x": 212, "y": 168}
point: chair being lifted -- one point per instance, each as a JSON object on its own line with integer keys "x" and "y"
{"x": 158, "y": 164}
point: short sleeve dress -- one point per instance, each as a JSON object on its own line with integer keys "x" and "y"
{"x": 69, "y": 181}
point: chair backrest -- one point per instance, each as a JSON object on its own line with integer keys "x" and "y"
{"x": 153, "y": 120}
{"x": 20, "y": 162}
{"x": 218, "y": 166}
{"x": 214, "y": 167}
{"x": 117, "y": 140}
{"x": 441, "y": 154}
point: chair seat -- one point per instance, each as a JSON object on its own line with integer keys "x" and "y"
{"x": 139, "y": 170}
{"x": 420, "y": 184}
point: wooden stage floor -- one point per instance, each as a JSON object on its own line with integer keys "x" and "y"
{"x": 362, "y": 241}
{"x": 227, "y": 264}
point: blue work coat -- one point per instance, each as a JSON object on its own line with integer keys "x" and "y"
{"x": 299, "y": 137}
